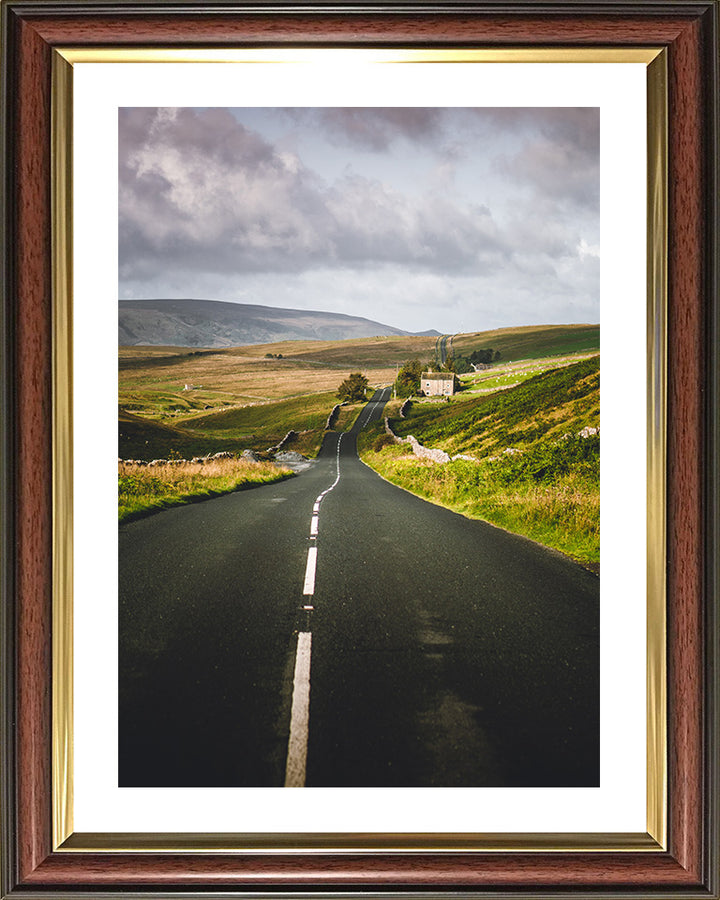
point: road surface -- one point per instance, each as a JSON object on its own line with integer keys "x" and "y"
{"x": 442, "y": 347}
{"x": 334, "y": 630}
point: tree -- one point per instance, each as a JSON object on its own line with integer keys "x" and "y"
{"x": 485, "y": 356}
{"x": 353, "y": 388}
{"x": 407, "y": 382}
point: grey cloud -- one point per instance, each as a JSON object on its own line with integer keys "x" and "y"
{"x": 235, "y": 203}
{"x": 372, "y": 128}
{"x": 557, "y": 149}
{"x": 208, "y": 207}
{"x": 560, "y": 160}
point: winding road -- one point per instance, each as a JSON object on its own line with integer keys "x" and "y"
{"x": 334, "y": 630}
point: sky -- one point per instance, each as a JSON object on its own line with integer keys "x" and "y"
{"x": 454, "y": 219}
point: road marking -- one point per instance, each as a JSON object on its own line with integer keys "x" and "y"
{"x": 299, "y": 715}
{"x": 296, "y": 762}
{"x": 371, "y": 407}
{"x": 309, "y": 586}
{"x": 320, "y": 497}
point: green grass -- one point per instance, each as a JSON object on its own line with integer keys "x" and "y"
{"x": 544, "y": 407}
{"x": 560, "y": 511}
{"x": 255, "y": 427}
{"x": 507, "y": 375}
{"x": 305, "y": 412}
{"x": 141, "y": 438}
{"x": 143, "y": 490}
{"x": 531, "y": 341}
{"x": 243, "y": 400}
{"x": 347, "y": 416}
{"x": 547, "y": 489}
{"x": 265, "y": 424}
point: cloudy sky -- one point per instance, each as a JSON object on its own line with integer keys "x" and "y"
{"x": 454, "y": 219}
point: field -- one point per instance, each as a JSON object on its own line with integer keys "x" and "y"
{"x": 152, "y": 379}
{"x": 513, "y": 418}
{"x": 507, "y": 375}
{"x": 191, "y": 393}
{"x": 203, "y": 400}
{"x": 532, "y": 341}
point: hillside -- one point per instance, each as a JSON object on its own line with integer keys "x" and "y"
{"x": 531, "y": 341}
{"x": 214, "y": 324}
{"x": 530, "y": 457}
{"x": 253, "y": 427}
{"x": 545, "y": 407}
{"x": 141, "y": 438}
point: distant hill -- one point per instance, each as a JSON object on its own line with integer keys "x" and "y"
{"x": 213, "y": 323}
{"x": 531, "y": 341}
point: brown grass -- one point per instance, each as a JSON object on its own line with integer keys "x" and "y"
{"x": 143, "y": 489}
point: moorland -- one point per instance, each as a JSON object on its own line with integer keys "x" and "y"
{"x": 525, "y": 427}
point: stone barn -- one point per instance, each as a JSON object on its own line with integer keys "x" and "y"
{"x": 437, "y": 384}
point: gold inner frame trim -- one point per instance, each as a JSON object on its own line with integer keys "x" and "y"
{"x": 62, "y": 450}
{"x": 657, "y": 256}
{"x": 331, "y": 56}
{"x": 64, "y": 837}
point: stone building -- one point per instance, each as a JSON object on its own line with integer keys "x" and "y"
{"x": 437, "y": 384}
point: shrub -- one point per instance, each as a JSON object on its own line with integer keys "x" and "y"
{"x": 382, "y": 441}
{"x": 353, "y": 388}
{"x": 407, "y": 383}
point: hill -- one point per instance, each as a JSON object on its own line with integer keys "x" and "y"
{"x": 526, "y": 458}
{"x": 171, "y": 385}
{"x": 531, "y": 341}
{"x": 215, "y": 324}
{"x": 544, "y": 407}
{"x": 141, "y": 438}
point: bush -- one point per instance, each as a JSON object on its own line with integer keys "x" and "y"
{"x": 382, "y": 441}
{"x": 353, "y": 388}
{"x": 546, "y": 462}
{"x": 407, "y": 383}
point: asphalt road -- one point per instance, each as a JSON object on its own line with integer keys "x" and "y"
{"x": 443, "y": 348}
{"x": 340, "y": 629}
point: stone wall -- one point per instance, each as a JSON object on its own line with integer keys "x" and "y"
{"x": 332, "y": 418}
{"x": 439, "y": 456}
{"x": 290, "y": 436}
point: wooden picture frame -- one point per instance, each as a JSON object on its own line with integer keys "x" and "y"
{"x": 688, "y": 866}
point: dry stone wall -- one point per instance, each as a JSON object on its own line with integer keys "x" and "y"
{"x": 439, "y": 456}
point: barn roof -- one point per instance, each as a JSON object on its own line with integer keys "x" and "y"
{"x": 438, "y": 376}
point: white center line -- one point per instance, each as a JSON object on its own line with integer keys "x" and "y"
{"x": 309, "y": 586}
{"x": 299, "y": 715}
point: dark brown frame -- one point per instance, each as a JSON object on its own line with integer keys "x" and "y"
{"x": 689, "y": 31}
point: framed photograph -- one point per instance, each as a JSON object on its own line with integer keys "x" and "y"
{"x": 334, "y": 240}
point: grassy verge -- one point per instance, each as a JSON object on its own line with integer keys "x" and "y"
{"x": 143, "y": 489}
{"x": 551, "y": 495}
{"x": 347, "y": 416}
